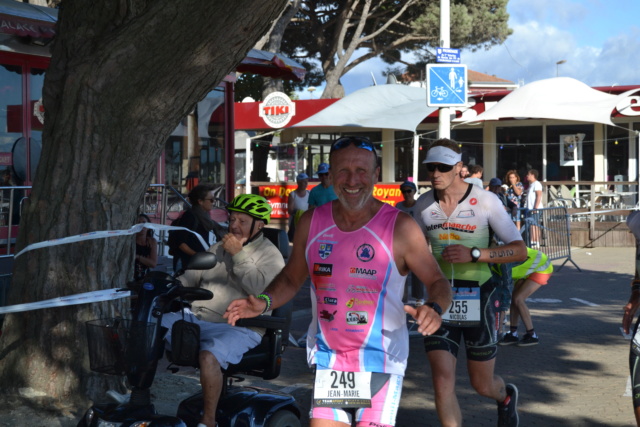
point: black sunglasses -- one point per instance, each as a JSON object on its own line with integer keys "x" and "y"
{"x": 356, "y": 141}
{"x": 408, "y": 190}
{"x": 431, "y": 167}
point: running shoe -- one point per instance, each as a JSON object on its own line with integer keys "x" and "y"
{"x": 508, "y": 339}
{"x": 528, "y": 340}
{"x": 508, "y": 410}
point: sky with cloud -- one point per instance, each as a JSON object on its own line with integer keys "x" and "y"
{"x": 598, "y": 39}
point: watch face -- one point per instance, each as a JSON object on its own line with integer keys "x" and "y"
{"x": 476, "y": 253}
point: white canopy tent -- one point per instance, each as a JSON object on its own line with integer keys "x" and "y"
{"x": 559, "y": 98}
{"x": 390, "y": 106}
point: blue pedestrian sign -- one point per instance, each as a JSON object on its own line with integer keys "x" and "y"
{"x": 446, "y": 85}
{"x": 447, "y": 55}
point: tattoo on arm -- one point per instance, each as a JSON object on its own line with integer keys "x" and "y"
{"x": 500, "y": 254}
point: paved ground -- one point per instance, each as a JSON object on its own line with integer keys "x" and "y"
{"x": 577, "y": 376}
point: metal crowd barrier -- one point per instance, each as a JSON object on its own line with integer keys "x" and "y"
{"x": 555, "y": 234}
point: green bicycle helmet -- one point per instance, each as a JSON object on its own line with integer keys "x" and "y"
{"x": 252, "y": 205}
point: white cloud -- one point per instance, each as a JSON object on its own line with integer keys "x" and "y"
{"x": 617, "y": 62}
{"x": 533, "y": 50}
{"x": 598, "y": 41}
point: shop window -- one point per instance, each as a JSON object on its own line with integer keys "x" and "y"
{"x": 36, "y": 82}
{"x": 519, "y": 148}
{"x": 471, "y": 145}
{"x": 617, "y": 154}
{"x": 562, "y": 142}
{"x": 11, "y": 114}
{"x": 403, "y": 155}
{"x": 173, "y": 162}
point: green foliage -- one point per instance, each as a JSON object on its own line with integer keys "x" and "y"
{"x": 315, "y": 32}
{"x": 251, "y": 84}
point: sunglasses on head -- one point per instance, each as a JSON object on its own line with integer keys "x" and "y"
{"x": 431, "y": 167}
{"x": 356, "y": 141}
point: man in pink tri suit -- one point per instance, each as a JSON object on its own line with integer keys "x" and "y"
{"x": 358, "y": 252}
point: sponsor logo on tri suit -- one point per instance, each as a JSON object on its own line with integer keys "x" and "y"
{"x": 362, "y": 273}
{"x": 325, "y": 250}
{"x": 449, "y": 236}
{"x": 473, "y": 201}
{"x": 322, "y": 269}
{"x": 327, "y": 316}
{"x": 357, "y": 318}
{"x": 356, "y": 289}
{"x": 330, "y": 301}
{"x": 365, "y": 252}
{"x": 356, "y": 301}
{"x": 354, "y": 330}
{"x": 329, "y": 236}
{"x": 465, "y": 228}
{"x": 326, "y": 287}
{"x": 466, "y": 214}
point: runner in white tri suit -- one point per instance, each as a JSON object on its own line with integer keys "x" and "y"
{"x": 458, "y": 219}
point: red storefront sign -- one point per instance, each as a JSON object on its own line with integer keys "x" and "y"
{"x": 278, "y": 194}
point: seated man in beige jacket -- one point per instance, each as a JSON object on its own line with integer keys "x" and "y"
{"x": 247, "y": 263}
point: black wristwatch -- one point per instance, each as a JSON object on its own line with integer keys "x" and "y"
{"x": 475, "y": 254}
{"x": 436, "y": 307}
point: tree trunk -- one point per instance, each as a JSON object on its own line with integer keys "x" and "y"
{"x": 122, "y": 74}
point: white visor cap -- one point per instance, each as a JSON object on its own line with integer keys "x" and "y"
{"x": 442, "y": 155}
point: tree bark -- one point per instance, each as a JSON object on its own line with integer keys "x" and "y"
{"x": 122, "y": 74}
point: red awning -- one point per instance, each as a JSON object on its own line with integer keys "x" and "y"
{"x": 269, "y": 64}
{"x": 27, "y": 20}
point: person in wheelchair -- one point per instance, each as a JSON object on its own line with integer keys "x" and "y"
{"x": 247, "y": 262}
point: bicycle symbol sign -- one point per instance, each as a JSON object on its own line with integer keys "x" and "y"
{"x": 446, "y": 85}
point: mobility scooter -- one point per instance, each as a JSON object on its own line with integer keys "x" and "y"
{"x": 133, "y": 347}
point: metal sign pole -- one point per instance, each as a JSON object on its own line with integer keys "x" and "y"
{"x": 444, "y": 118}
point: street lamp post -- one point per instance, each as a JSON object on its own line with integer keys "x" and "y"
{"x": 562, "y": 61}
{"x": 311, "y": 89}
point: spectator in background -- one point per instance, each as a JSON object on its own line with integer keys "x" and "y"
{"x": 196, "y": 218}
{"x": 146, "y": 250}
{"x": 475, "y": 176}
{"x": 323, "y": 193}
{"x": 413, "y": 286}
{"x": 495, "y": 186}
{"x": 533, "y": 201}
{"x": 464, "y": 172}
{"x": 297, "y": 203}
{"x": 514, "y": 192}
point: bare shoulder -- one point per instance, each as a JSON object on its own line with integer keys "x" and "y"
{"x": 406, "y": 229}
